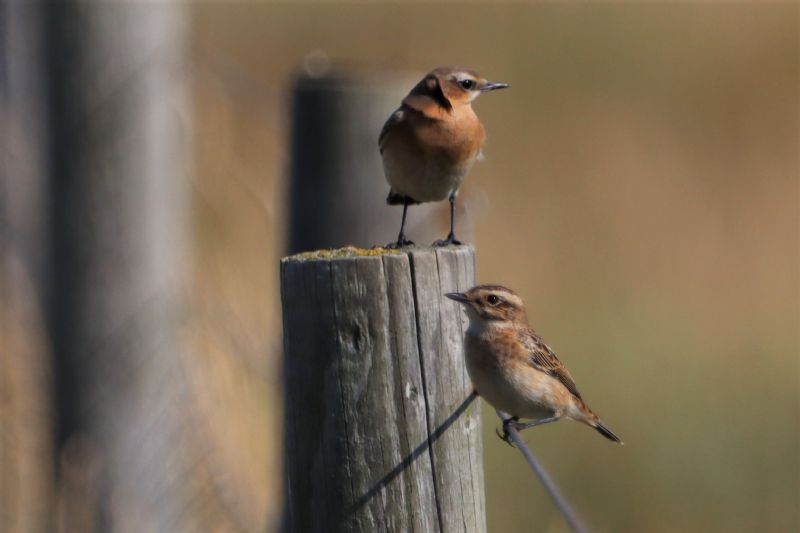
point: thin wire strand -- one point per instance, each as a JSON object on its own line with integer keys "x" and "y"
{"x": 549, "y": 485}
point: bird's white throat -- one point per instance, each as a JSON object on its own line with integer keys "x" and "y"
{"x": 479, "y": 326}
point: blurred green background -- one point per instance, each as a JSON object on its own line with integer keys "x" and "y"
{"x": 640, "y": 191}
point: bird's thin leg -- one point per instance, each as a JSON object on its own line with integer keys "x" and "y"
{"x": 401, "y": 238}
{"x": 533, "y": 423}
{"x": 451, "y": 237}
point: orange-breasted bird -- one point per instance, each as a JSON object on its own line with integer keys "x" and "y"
{"x": 431, "y": 142}
{"x": 512, "y": 367}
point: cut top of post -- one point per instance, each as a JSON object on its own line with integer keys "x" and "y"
{"x": 347, "y": 252}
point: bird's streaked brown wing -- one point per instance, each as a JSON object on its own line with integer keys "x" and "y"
{"x": 393, "y": 120}
{"x": 542, "y": 358}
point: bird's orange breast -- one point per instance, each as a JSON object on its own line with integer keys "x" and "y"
{"x": 426, "y": 157}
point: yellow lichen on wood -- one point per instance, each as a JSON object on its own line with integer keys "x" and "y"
{"x": 341, "y": 253}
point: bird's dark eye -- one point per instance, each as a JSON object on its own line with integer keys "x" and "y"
{"x": 492, "y": 299}
{"x": 467, "y": 84}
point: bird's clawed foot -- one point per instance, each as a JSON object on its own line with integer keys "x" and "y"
{"x": 451, "y": 239}
{"x": 507, "y": 423}
{"x": 402, "y": 242}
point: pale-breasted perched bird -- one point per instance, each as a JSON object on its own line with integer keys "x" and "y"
{"x": 431, "y": 142}
{"x": 512, "y": 368}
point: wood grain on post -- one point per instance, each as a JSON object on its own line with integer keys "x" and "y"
{"x": 383, "y": 431}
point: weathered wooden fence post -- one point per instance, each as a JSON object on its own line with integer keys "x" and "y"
{"x": 383, "y": 431}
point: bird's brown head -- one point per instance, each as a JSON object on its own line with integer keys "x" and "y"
{"x": 452, "y": 87}
{"x": 492, "y": 303}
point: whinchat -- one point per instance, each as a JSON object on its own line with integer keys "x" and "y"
{"x": 431, "y": 142}
{"x": 512, "y": 367}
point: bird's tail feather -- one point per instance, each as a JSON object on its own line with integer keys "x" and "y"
{"x": 399, "y": 199}
{"x": 607, "y": 433}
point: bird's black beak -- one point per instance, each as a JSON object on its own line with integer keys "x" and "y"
{"x": 460, "y": 297}
{"x": 493, "y": 86}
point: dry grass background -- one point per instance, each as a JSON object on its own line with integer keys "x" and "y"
{"x": 640, "y": 191}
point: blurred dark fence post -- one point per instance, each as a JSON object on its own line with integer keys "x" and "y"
{"x": 117, "y": 213}
{"x": 338, "y": 191}
{"x": 383, "y": 431}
